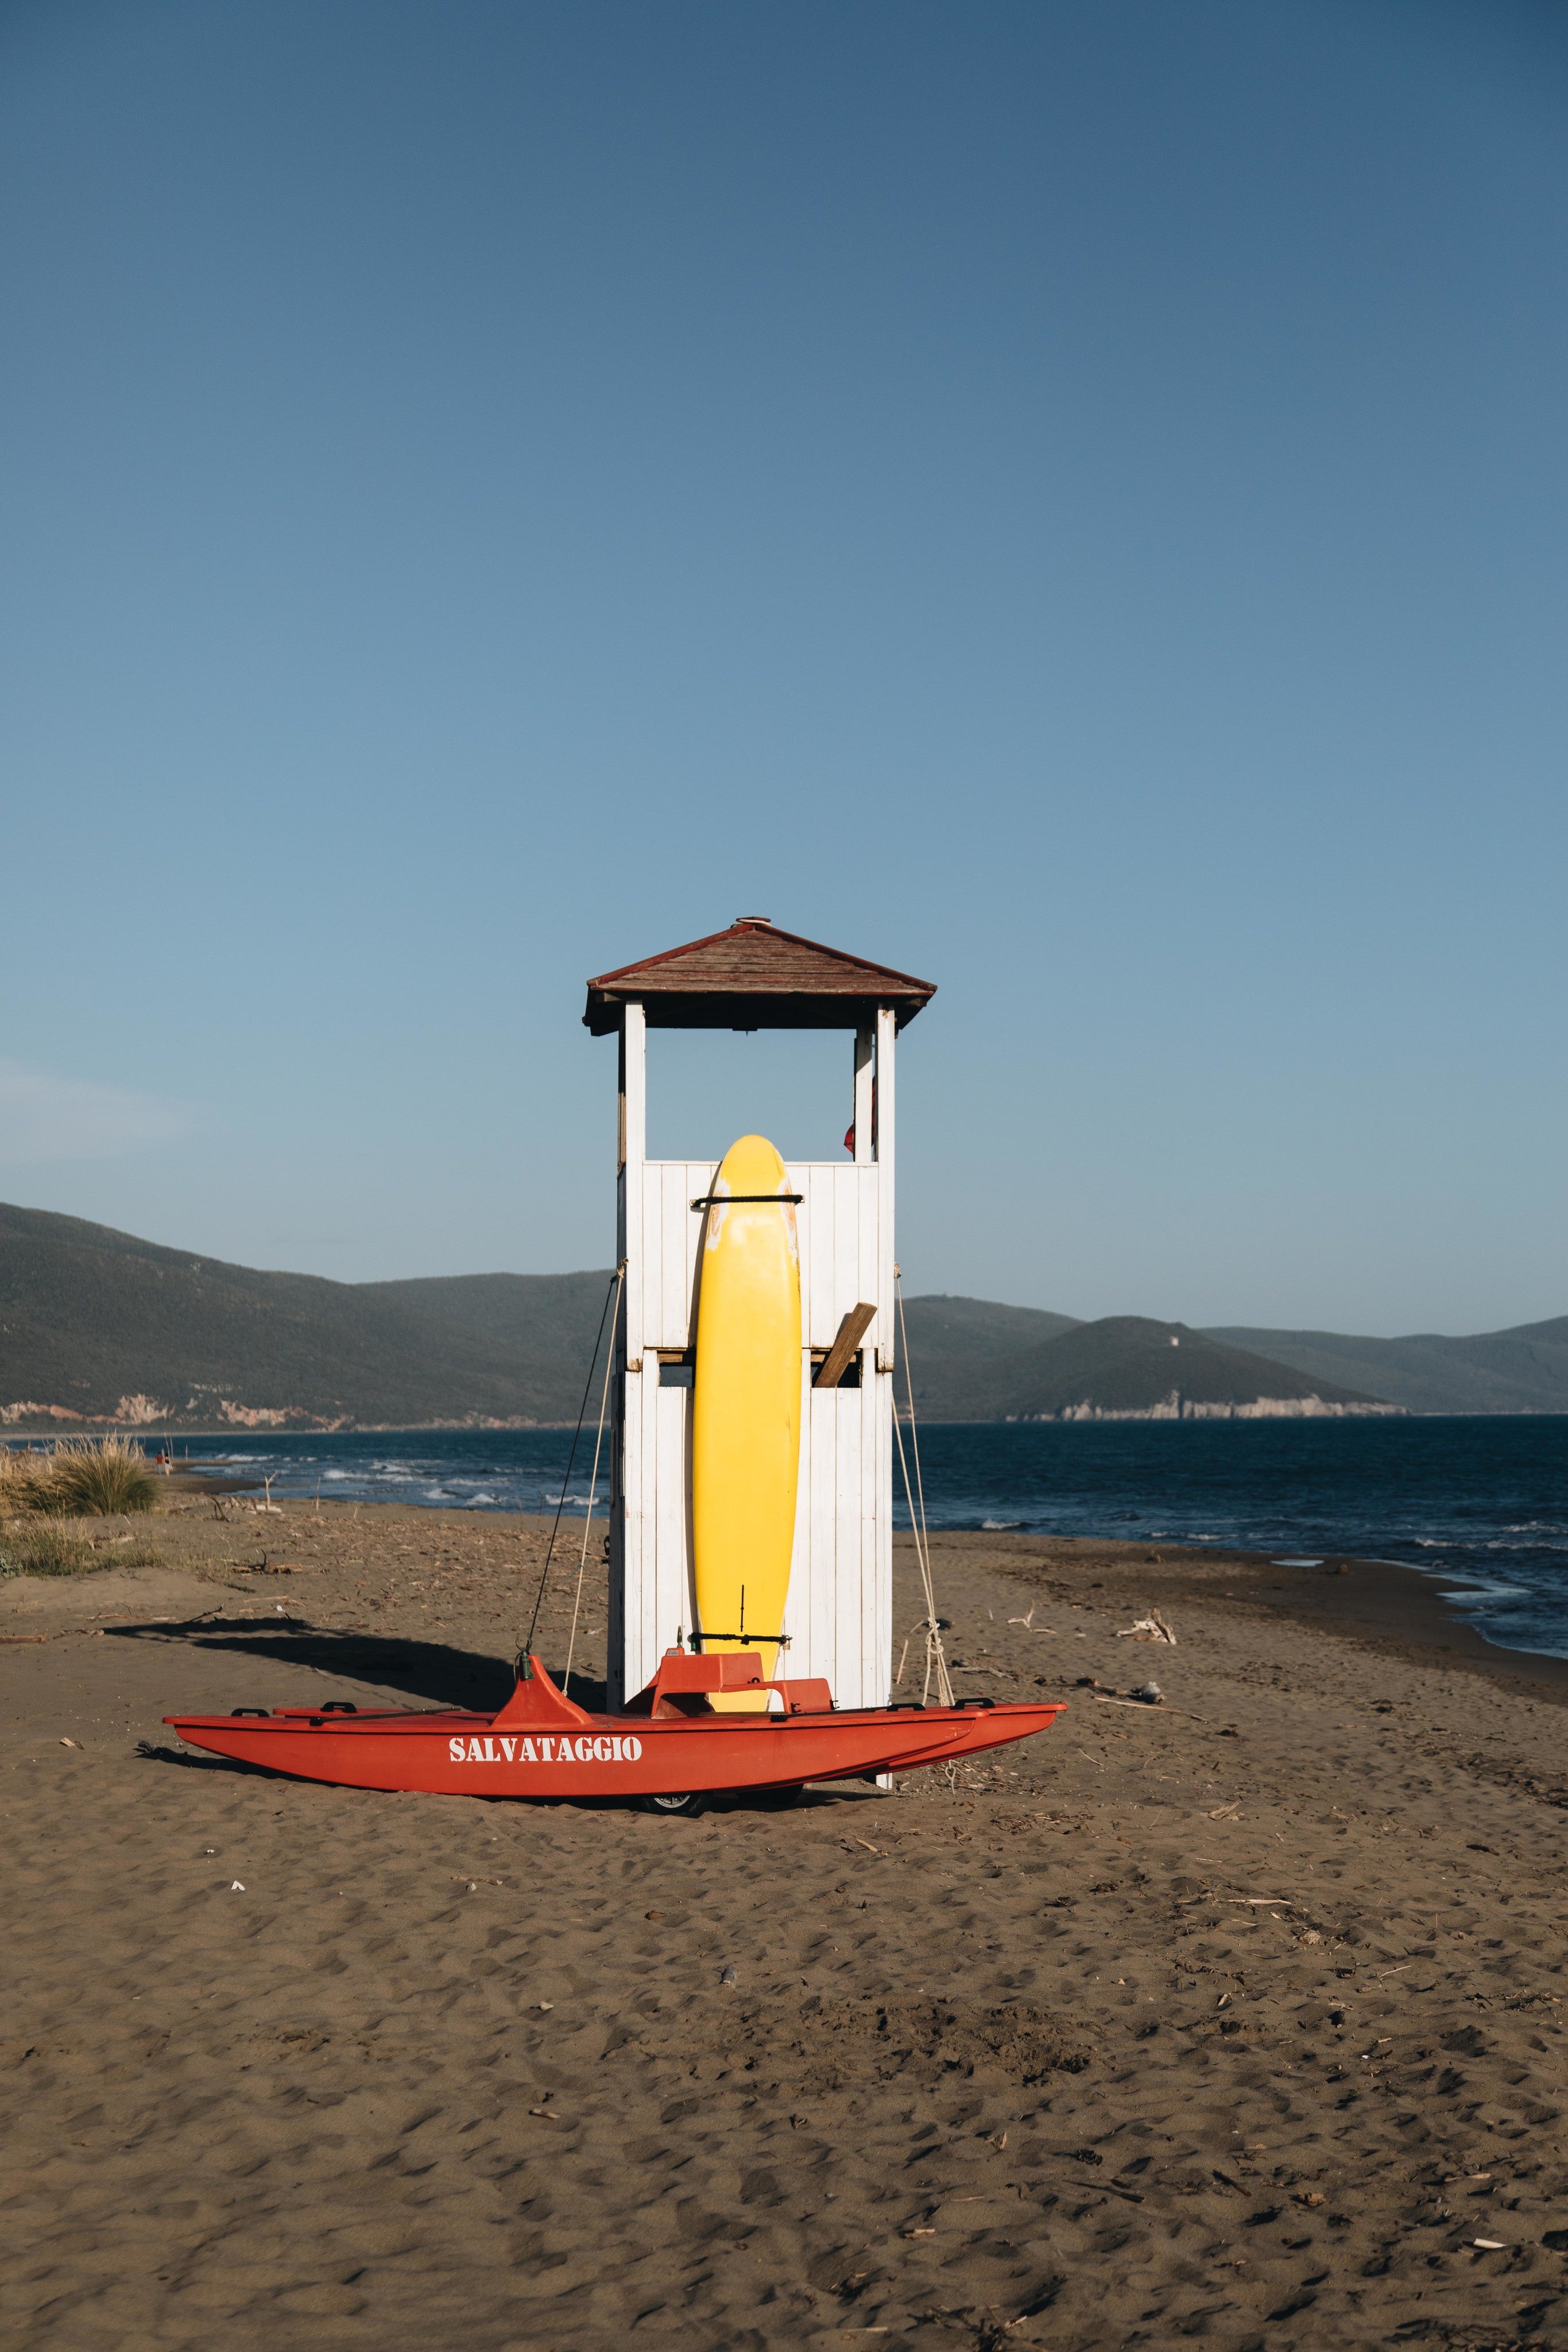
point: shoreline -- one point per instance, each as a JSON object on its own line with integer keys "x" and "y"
{"x": 1087, "y": 1417}
{"x": 1358, "y": 1596}
{"x": 1375, "y": 1602}
{"x": 232, "y": 1434}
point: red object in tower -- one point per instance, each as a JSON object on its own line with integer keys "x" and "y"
{"x": 849, "y": 1131}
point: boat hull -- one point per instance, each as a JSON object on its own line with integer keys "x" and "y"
{"x": 602, "y": 1757}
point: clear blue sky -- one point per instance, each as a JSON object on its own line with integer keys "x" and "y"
{"x": 1066, "y": 499}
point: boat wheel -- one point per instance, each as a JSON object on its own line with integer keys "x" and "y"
{"x": 689, "y": 1801}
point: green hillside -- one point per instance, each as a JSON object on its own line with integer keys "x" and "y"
{"x": 1520, "y": 1370}
{"x": 90, "y": 1319}
{"x": 96, "y": 1325}
{"x": 953, "y": 1341}
{"x": 1124, "y": 1363}
{"x": 545, "y": 1322}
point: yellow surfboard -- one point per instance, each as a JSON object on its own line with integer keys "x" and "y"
{"x": 745, "y": 1407}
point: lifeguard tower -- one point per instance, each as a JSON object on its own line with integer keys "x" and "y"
{"x": 838, "y": 1619}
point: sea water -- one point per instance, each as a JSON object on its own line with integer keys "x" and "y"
{"x": 1481, "y": 1501}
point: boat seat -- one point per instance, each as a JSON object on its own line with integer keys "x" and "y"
{"x": 684, "y": 1680}
{"x": 806, "y": 1694}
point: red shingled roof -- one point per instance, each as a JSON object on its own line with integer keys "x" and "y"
{"x": 754, "y": 976}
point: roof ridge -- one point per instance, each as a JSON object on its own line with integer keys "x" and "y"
{"x": 758, "y": 926}
{"x": 755, "y": 967}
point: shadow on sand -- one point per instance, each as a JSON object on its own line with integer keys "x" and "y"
{"x": 431, "y": 1672}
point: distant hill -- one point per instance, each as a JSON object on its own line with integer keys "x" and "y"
{"x": 1520, "y": 1370}
{"x": 956, "y": 1342}
{"x": 96, "y": 1325}
{"x": 1124, "y": 1365}
{"x": 545, "y": 1324}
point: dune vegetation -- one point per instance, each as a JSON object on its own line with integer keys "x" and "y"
{"x": 76, "y": 1478}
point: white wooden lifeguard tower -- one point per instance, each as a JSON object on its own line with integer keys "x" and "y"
{"x": 838, "y": 1619}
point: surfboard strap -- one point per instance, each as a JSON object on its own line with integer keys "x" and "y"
{"x": 780, "y": 1640}
{"x": 724, "y": 1199}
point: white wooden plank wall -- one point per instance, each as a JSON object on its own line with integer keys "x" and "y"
{"x": 839, "y": 1612}
{"x": 838, "y": 1615}
{"x": 841, "y": 1257}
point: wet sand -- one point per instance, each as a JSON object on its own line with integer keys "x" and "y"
{"x": 1234, "y": 2019}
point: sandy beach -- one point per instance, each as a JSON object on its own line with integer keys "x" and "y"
{"x": 1235, "y": 2019}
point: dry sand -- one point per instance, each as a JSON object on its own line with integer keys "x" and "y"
{"x": 1236, "y": 2019}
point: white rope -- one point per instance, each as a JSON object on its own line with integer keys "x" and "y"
{"x": 936, "y": 1662}
{"x": 594, "y": 1481}
{"x": 936, "y": 1658}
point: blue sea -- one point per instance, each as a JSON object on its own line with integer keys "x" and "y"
{"x": 1481, "y": 1502}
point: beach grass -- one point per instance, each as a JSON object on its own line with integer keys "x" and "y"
{"x": 45, "y": 1546}
{"x": 22, "y": 1476}
{"x": 47, "y": 1550}
{"x": 78, "y": 1477}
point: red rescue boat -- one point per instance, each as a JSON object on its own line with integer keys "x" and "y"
{"x": 668, "y": 1749}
